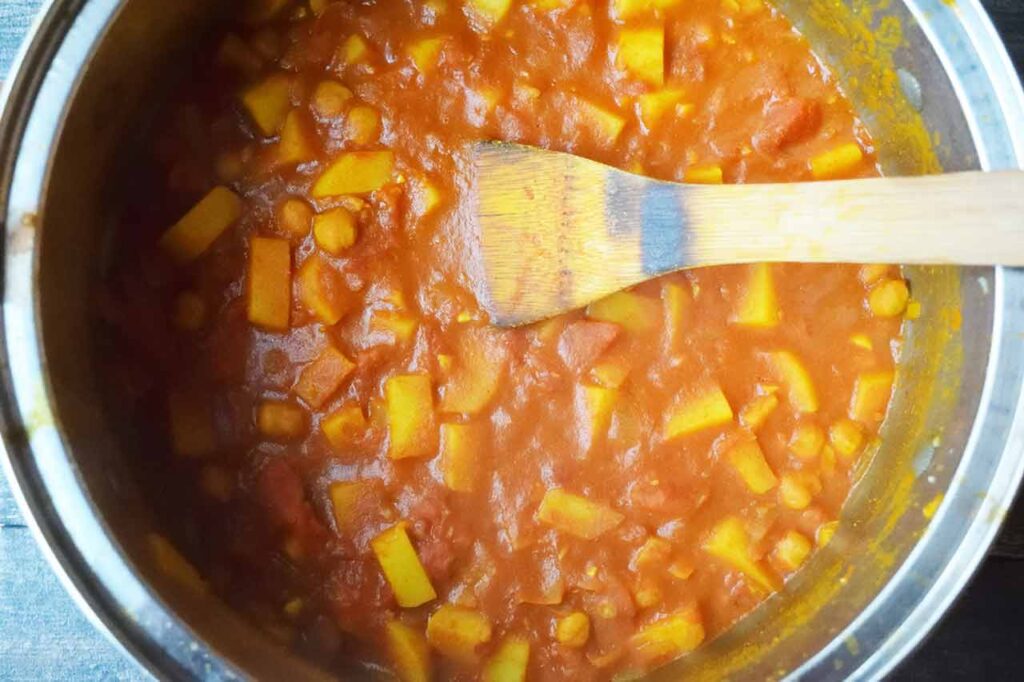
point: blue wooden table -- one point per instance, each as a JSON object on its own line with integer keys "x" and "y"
{"x": 44, "y": 637}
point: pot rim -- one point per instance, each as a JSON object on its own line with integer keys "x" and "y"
{"x": 97, "y": 573}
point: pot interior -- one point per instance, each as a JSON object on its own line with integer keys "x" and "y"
{"x": 897, "y": 82}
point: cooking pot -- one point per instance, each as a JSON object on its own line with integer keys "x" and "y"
{"x": 933, "y": 85}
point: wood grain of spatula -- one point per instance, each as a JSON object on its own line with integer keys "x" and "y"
{"x": 557, "y": 231}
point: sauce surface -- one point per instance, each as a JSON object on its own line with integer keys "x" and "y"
{"x": 373, "y": 472}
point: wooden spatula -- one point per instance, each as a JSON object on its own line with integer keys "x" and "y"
{"x": 557, "y": 231}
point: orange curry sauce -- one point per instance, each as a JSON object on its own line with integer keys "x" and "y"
{"x": 377, "y": 475}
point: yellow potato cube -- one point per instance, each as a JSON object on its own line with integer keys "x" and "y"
{"x": 680, "y": 569}
{"x": 576, "y": 515}
{"x": 355, "y": 173}
{"x": 508, "y": 664}
{"x": 889, "y": 298}
{"x": 654, "y": 105}
{"x": 488, "y": 12}
{"x": 461, "y": 445}
{"x": 807, "y": 440}
{"x": 573, "y": 630}
{"x": 792, "y": 550}
{"x": 346, "y": 498}
{"x": 280, "y": 420}
{"x": 704, "y": 409}
{"x": 482, "y": 359}
{"x": 191, "y": 236}
{"x": 329, "y": 99}
{"x": 402, "y": 568}
{"x": 759, "y": 306}
{"x": 298, "y": 142}
{"x": 754, "y": 413}
{"x": 344, "y": 426}
{"x": 611, "y": 372}
{"x": 605, "y": 126}
{"x": 425, "y": 53}
{"x": 668, "y": 637}
{"x": 322, "y": 377}
{"x": 871, "y": 394}
{"x": 294, "y": 217}
{"x": 401, "y": 327}
{"x": 192, "y": 433}
{"x": 828, "y": 460}
{"x": 425, "y": 196}
{"x": 836, "y": 163}
{"x": 641, "y": 52}
{"x": 335, "y": 230}
{"x": 322, "y": 292}
{"x": 270, "y": 283}
{"x": 456, "y": 632}
{"x": 654, "y": 552}
{"x": 410, "y": 415}
{"x": 171, "y": 563}
{"x": 408, "y": 651}
{"x": 362, "y": 125}
{"x": 189, "y": 311}
{"x": 354, "y": 50}
{"x": 703, "y": 175}
{"x": 789, "y": 370}
{"x": 793, "y": 492}
{"x": 626, "y": 9}
{"x": 594, "y": 405}
{"x": 749, "y": 462}
{"x": 846, "y": 437}
{"x": 676, "y": 301}
{"x": 730, "y": 542}
{"x": 268, "y": 103}
{"x": 633, "y": 312}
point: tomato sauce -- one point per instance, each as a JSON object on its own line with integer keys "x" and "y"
{"x": 377, "y": 475}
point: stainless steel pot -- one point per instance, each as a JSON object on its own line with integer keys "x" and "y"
{"x": 935, "y": 88}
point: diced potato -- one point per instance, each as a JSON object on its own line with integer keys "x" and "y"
{"x": 322, "y": 291}
{"x": 294, "y": 217}
{"x": 889, "y": 298}
{"x": 322, "y": 378}
{"x": 191, "y": 236}
{"x": 641, "y": 52}
{"x": 680, "y": 569}
{"x": 362, "y": 125}
{"x": 482, "y": 359}
{"x": 703, "y": 175}
{"x": 298, "y": 142}
{"x": 846, "y": 437}
{"x": 488, "y": 12}
{"x": 594, "y": 406}
{"x": 191, "y": 426}
{"x": 611, "y": 372}
{"x": 704, "y": 409}
{"x": 576, "y": 515}
{"x": 754, "y": 413}
{"x": 189, "y": 311}
{"x": 508, "y": 664}
{"x": 605, "y": 126}
{"x": 402, "y": 568}
{"x": 800, "y": 390}
{"x": 461, "y": 446}
{"x": 330, "y": 98}
{"x": 669, "y": 637}
{"x": 676, "y": 301}
{"x": 335, "y": 230}
{"x": 402, "y": 327}
{"x": 759, "y": 307}
{"x": 344, "y": 426}
{"x": 354, "y": 50}
{"x": 793, "y": 492}
{"x": 807, "y": 440}
{"x": 635, "y": 313}
{"x": 346, "y": 498}
{"x": 573, "y": 630}
{"x": 626, "y": 9}
{"x": 748, "y": 460}
{"x": 408, "y": 651}
{"x": 871, "y": 394}
{"x": 654, "y": 105}
{"x": 270, "y": 283}
{"x": 280, "y": 420}
{"x": 410, "y": 409}
{"x": 355, "y": 173}
{"x": 425, "y": 53}
{"x": 456, "y": 632}
{"x": 837, "y": 162}
{"x": 425, "y": 196}
{"x": 172, "y": 564}
{"x": 654, "y": 552}
{"x": 730, "y": 542}
{"x": 828, "y": 460}
{"x": 792, "y": 550}
{"x": 268, "y": 103}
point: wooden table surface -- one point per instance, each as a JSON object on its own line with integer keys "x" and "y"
{"x": 44, "y": 637}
